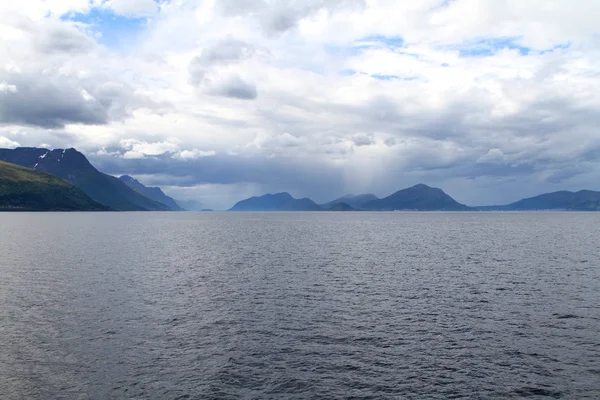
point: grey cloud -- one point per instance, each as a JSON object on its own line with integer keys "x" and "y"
{"x": 562, "y": 175}
{"x": 363, "y": 140}
{"x": 226, "y": 51}
{"x": 280, "y": 20}
{"x": 205, "y": 73}
{"x": 197, "y": 71}
{"x": 278, "y": 16}
{"x": 235, "y": 87}
{"x": 271, "y": 173}
{"x": 284, "y": 15}
{"x": 390, "y": 142}
{"x": 62, "y": 38}
{"x": 53, "y": 37}
{"x": 49, "y": 103}
{"x": 52, "y": 101}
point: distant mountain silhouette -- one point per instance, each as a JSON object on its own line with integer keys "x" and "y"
{"x": 419, "y": 197}
{"x": 154, "y": 193}
{"x": 276, "y": 202}
{"x": 191, "y": 205}
{"x": 353, "y": 201}
{"x": 71, "y": 165}
{"x": 341, "y": 206}
{"x": 583, "y": 200}
{"x": 25, "y": 189}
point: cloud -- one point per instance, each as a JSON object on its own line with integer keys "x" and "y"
{"x": 140, "y": 149}
{"x": 7, "y": 88}
{"x": 491, "y": 101}
{"x": 132, "y": 8}
{"x": 233, "y": 87}
{"x": 52, "y": 100}
{"x": 363, "y": 140}
{"x": 208, "y": 72}
{"x": 47, "y": 102}
{"x": 134, "y": 149}
{"x": 194, "y": 154}
{"x": 7, "y": 143}
{"x": 494, "y": 156}
{"x": 225, "y": 51}
{"x": 56, "y": 38}
{"x": 276, "y": 17}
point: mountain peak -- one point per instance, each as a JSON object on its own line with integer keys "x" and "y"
{"x": 275, "y": 202}
{"x": 420, "y": 186}
{"x": 285, "y": 195}
{"x": 128, "y": 179}
{"x": 417, "y": 197}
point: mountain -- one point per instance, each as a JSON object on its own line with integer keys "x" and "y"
{"x": 74, "y": 167}
{"x": 419, "y": 197}
{"x": 584, "y": 200}
{"x": 341, "y": 206}
{"x": 276, "y": 202}
{"x": 154, "y": 193}
{"x": 24, "y": 189}
{"x": 353, "y": 201}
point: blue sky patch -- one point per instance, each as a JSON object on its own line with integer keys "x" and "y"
{"x": 116, "y": 31}
{"x": 377, "y": 41}
{"x": 488, "y": 47}
{"x": 562, "y": 46}
{"x": 381, "y": 77}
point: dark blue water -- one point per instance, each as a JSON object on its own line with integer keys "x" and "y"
{"x": 299, "y": 305}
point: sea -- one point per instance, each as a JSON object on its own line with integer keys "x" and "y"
{"x": 326, "y": 305}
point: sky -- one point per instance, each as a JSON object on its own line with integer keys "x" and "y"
{"x": 218, "y": 100}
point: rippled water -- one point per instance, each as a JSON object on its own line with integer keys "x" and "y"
{"x": 299, "y": 305}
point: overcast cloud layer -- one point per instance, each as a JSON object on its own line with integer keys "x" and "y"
{"x": 217, "y": 100}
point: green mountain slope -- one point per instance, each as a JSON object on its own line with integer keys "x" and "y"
{"x": 74, "y": 167}
{"x": 24, "y": 189}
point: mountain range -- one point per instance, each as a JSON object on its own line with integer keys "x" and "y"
{"x": 583, "y": 200}
{"x": 74, "y": 167}
{"x": 421, "y": 198}
{"x": 41, "y": 179}
{"x": 418, "y": 198}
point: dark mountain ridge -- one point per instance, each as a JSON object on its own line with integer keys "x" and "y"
{"x": 419, "y": 198}
{"x": 583, "y": 200}
{"x": 276, "y": 202}
{"x": 154, "y": 193}
{"x": 73, "y": 166}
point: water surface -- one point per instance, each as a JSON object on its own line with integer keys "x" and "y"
{"x": 299, "y": 305}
